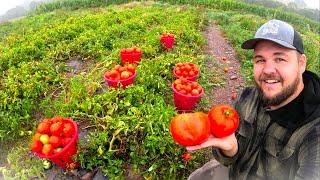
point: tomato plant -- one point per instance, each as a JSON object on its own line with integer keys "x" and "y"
{"x": 224, "y": 120}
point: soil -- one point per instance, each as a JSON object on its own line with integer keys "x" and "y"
{"x": 219, "y": 48}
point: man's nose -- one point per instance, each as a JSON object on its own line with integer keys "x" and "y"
{"x": 269, "y": 67}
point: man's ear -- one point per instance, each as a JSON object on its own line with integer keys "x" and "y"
{"x": 302, "y": 62}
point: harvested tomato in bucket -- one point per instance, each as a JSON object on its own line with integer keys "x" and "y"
{"x": 186, "y": 94}
{"x": 186, "y": 70}
{"x": 120, "y": 75}
{"x": 167, "y": 40}
{"x": 124, "y": 82}
{"x": 56, "y": 139}
{"x": 130, "y": 55}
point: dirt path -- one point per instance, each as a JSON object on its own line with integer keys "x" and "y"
{"x": 221, "y": 50}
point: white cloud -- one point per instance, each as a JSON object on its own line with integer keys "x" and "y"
{"x": 313, "y": 4}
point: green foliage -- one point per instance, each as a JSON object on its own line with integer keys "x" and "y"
{"x": 74, "y": 4}
{"x": 31, "y": 167}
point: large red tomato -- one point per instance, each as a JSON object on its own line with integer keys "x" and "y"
{"x": 190, "y": 129}
{"x": 224, "y": 120}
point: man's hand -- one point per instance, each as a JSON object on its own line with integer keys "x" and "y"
{"x": 228, "y": 145}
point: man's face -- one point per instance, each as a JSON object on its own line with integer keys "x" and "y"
{"x": 277, "y": 73}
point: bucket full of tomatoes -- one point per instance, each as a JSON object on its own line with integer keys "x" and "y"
{"x": 120, "y": 75}
{"x": 167, "y": 40}
{"x": 186, "y": 94}
{"x": 186, "y": 70}
{"x": 56, "y": 139}
{"x": 130, "y": 55}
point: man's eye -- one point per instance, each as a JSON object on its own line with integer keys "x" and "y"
{"x": 259, "y": 60}
{"x": 280, "y": 60}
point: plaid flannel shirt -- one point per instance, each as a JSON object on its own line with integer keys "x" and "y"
{"x": 263, "y": 152}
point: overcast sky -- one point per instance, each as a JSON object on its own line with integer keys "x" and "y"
{"x": 5, "y": 5}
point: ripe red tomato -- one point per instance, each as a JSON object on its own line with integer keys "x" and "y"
{"x": 68, "y": 130}
{"x": 43, "y": 128}
{"x": 124, "y": 75}
{"x": 130, "y": 50}
{"x": 57, "y": 119}
{"x": 56, "y": 128}
{"x": 186, "y": 156}
{"x": 195, "y": 92}
{"x": 55, "y": 141}
{"x": 36, "y": 146}
{"x": 188, "y": 88}
{"x": 224, "y": 120}
{"x": 47, "y": 149}
{"x": 122, "y": 68}
{"x": 234, "y": 95}
{"x": 138, "y": 50}
{"x": 190, "y": 129}
{"x": 131, "y": 68}
{"x": 36, "y": 137}
{"x": 171, "y": 35}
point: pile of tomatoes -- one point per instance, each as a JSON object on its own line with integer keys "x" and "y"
{"x": 189, "y": 129}
{"x": 186, "y": 87}
{"x": 187, "y": 70}
{"x": 167, "y": 35}
{"x": 121, "y": 72}
{"x": 53, "y": 135}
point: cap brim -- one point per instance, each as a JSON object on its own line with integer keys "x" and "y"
{"x": 251, "y": 43}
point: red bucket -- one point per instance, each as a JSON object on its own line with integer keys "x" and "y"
{"x": 124, "y": 83}
{"x": 136, "y": 57}
{"x": 64, "y": 158}
{"x": 130, "y": 57}
{"x": 126, "y": 57}
{"x": 185, "y": 102}
{"x": 167, "y": 42}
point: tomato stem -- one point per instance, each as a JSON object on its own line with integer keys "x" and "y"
{"x": 114, "y": 135}
{"x": 227, "y": 113}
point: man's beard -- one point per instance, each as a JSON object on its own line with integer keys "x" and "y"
{"x": 281, "y": 96}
